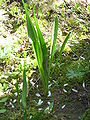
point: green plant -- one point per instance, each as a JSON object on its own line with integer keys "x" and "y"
{"x": 24, "y": 91}
{"x": 38, "y": 115}
{"x": 44, "y": 63}
{"x": 77, "y": 70}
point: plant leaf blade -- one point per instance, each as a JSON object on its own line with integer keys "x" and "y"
{"x": 53, "y": 41}
{"x": 43, "y": 47}
{"x": 61, "y": 50}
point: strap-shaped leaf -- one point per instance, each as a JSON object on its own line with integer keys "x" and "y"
{"x": 43, "y": 45}
{"x": 63, "y": 45}
{"x": 61, "y": 50}
{"x": 53, "y": 41}
{"x": 54, "y": 37}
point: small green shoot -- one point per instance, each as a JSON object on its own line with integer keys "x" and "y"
{"x": 24, "y": 91}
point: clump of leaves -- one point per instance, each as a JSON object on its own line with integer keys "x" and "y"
{"x": 44, "y": 63}
{"x": 78, "y": 69}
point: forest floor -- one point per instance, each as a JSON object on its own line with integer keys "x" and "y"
{"x": 69, "y": 86}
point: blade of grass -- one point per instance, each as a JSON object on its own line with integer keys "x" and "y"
{"x": 61, "y": 50}
{"x": 53, "y": 41}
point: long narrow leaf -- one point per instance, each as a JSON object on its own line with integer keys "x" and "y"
{"x": 63, "y": 45}
{"x": 53, "y": 41}
{"x": 61, "y": 50}
{"x": 43, "y": 46}
{"x": 24, "y": 91}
